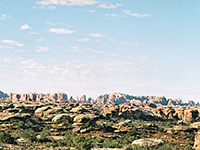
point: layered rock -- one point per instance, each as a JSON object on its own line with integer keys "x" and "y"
{"x": 34, "y": 97}
{"x": 140, "y": 101}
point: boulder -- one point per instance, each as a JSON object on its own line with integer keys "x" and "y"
{"x": 78, "y": 110}
{"x": 74, "y": 125}
{"x": 121, "y": 124}
{"x": 55, "y": 138}
{"x": 76, "y": 130}
{"x": 195, "y": 125}
{"x": 178, "y": 129}
{"x": 54, "y": 110}
{"x": 60, "y": 116}
{"x": 147, "y": 142}
{"x": 83, "y": 118}
{"x": 181, "y": 129}
{"x": 40, "y": 111}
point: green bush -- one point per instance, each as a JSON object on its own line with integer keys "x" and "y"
{"x": 20, "y": 125}
{"x": 135, "y": 147}
{"x": 111, "y": 144}
{"x": 5, "y": 137}
{"x": 161, "y": 129}
{"x": 86, "y": 125}
{"x": 69, "y": 136}
{"x": 45, "y": 132}
{"x": 189, "y": 148}
{"x": 165, "y": 147}
{"x": 125, "y": 139}
{"x": 29, "y": 134}
{"x": 78, "y": 142}
{"x": 29, "y": 124}
{"x": 99, "y": 140}
{"x": 51, "y": 144}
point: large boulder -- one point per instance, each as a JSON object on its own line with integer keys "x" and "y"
{"x": 59, "y": 117}
{"x": 78, "y": 110}
{"x": 40, "y": 111}
{"x": 195, "y": 125}
{"x": 83, "y": 118}
{"x": 148, "y": 142}
{"x": 181, "y": 129}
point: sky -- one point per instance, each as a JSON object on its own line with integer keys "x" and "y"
{"x": 93, "y": 47}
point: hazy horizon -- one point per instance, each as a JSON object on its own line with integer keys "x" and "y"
{"x": 94, "y": 47}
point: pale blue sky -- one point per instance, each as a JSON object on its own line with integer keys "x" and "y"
{"x": 92, "y": 47}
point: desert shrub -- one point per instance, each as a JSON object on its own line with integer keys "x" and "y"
{"x": 86, "y": 125}
{"x": 20, "y": 125}
{"x": 169, "y": 124}
{"x": 161, "y": 129}
{"x": 36, "y": 120}
{"x": 111, "y": 144}
{"x": 69, "y": 136}
{"x": 135, "y": 147}
{"x": 66, "y": 120}
{"x": 51, "y": 144}
{"x": 6, "y": 137}
{"x": 78, "y": 142}
{"x": 61, "y": 143}
{"x": 29, "y": 134}
{"x": 165, "y": 147}
{"x": 189, "y": 148}
{"x": 29, "y": 123}
{"x": 99, "y": 140}
{"x": 125, "y": 139}
{"x": 45, "y": 132}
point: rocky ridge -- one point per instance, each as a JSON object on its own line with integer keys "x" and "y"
{"x": 83, "y": 119}
{"x": 138, "y": 119}
{"x": 106, "y": 99}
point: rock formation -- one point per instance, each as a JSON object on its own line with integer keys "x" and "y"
{"x": 34, "y": 97}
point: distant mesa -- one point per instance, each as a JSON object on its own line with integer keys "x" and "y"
{"x": 106, "y": 99}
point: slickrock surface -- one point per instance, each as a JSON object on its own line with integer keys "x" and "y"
{"x": 116, "y": 122}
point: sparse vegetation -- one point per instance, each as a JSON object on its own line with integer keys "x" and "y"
{"x": 45, "y": 132}
{"x": 5, "y": 137}
{"x": 29, "y": 134}
{"x": 86, "y": 132}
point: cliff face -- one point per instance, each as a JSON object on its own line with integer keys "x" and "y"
{"x": 3, "y": 95}
{"x": 34, "y": 97}
{"x": 118, "y": 98}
